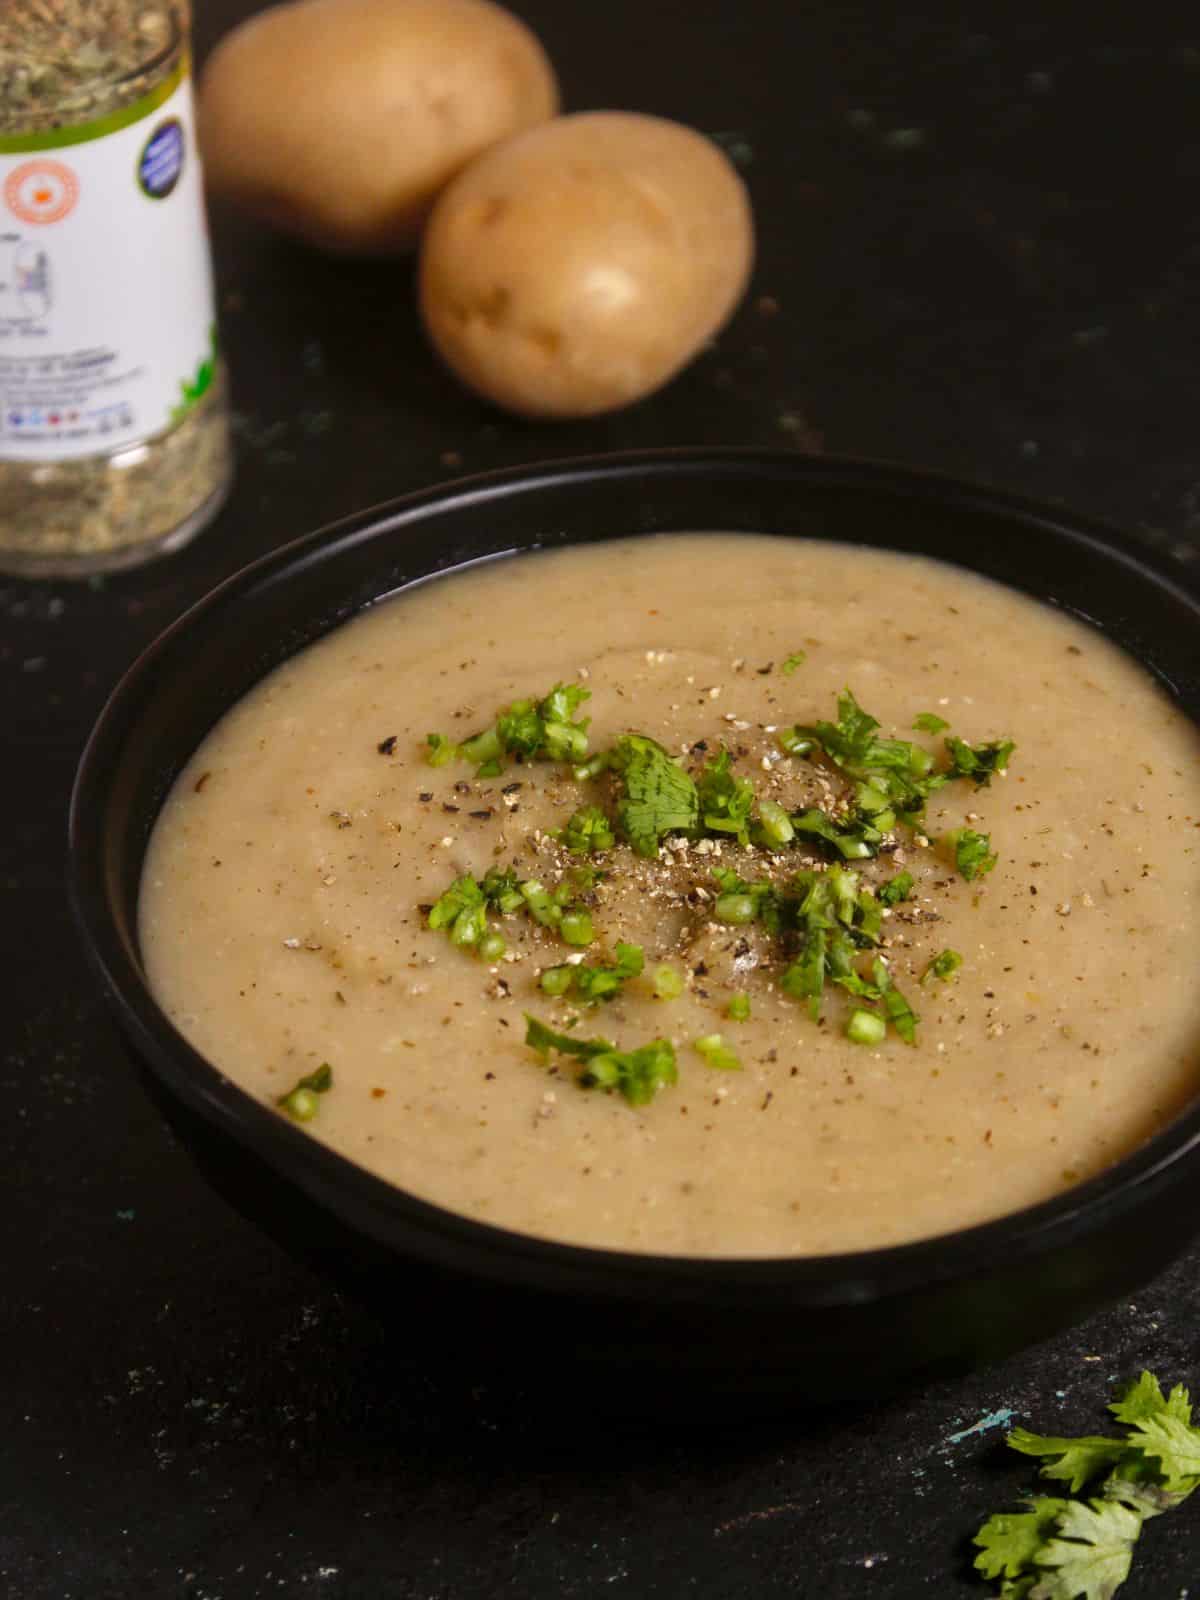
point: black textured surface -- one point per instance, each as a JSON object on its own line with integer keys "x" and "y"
{"x": 978, "y": 246}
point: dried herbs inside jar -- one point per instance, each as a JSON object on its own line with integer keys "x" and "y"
{"x": 114, "y": 440}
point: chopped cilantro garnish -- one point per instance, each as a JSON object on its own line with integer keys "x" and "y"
{"x": 461, "y": 912}
{"x": 591, "y": 984}
{"x": 587, "y": 831}
{"x": 853, "y": 840}
{"x": 300, "y": 1102}
{"x": 972, "y": 852}
{"x": 896, "y": 889}
{"x": 796, "y": 659}
{"x": 978, "y": 761}
{"x": 944, "y": 965}
{"x": 659, "y": 798}
{"x": 528, "y": 729}
{"x": 725, "y": 800}
{"x": 637, "y": 1074}
{"x": 1075, "y": 1549}
{"x": 929, "y": 722}
{"x": 717, "y": 1053}
{"x": 738, "y": 1009}
{"x": 893, "y": 774}
{"x": 502, "y": 889}
{"x": 899, "y": 1013}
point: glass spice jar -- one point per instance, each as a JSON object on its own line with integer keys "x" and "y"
{"x": 114, "y": 435}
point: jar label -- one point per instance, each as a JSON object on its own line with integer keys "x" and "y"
{"x": 107, "y": 321}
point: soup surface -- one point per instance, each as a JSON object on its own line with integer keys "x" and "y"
{"x": 286, "y": 897}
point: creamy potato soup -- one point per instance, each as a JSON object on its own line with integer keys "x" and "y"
{"x": 852, "y": 985}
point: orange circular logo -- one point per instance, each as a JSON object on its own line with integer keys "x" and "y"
{"x": 41, "y": 191}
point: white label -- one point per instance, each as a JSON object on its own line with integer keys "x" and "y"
{"x": 107, "y": 319}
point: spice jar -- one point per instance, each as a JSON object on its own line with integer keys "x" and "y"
{"x": 114, "y": 437}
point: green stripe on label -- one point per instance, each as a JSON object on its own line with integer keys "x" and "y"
{"x": 19, "y": 144}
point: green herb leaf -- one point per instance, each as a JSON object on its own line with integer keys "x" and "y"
{"x": 896, "y": 889}
{"x": 1092, "y": 1553}
{"x": 929, "y": 722}
{"x": 972, "y": 852}
{"x": 725, "y": 800}
{"x": 441, "y": 749}
{"x": 1010, "y": 1541}
{"x": 979, "y": 761}
{"x": 796, "y": 659}
{"x": 1144, "y": 1399}
{"x": 944, "y": 965}
{"x": 854, "y": 840}
{"x": 893, "y": 773}
{"x": 1074, "y": 1462}
{"x": 659, "y": 797}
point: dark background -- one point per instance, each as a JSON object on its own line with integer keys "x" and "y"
{"x": 979, "y": 249}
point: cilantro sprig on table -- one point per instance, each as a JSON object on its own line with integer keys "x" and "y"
{"x": 1077, "y": 1549}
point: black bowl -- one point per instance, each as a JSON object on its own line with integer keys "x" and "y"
{"x": 651, "y": 1332}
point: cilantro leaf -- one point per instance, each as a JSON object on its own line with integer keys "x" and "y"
{"x": 637, "y": 1074}
{"x": 1073, "y": 1461}
{"x": 854, "y": 840}
{"x": 1175, "y": 1445}
{"x": 1145, "y": 1399}
{"x": 979, "y": 761}
{"x": 896, "y": 889}
{"x": 1091, "y": 1556}
{"x": 1010, "y": 1541}
{"x": 725, "y": 800}
{"x": 972, "y": 852}
{"x": 929, "y": 722}
{"x": 796, "y": 659}
{"x": 893, "y": 773}
{"x": 944, "y": 965}
{"x": 659, "y": 797}
{"x": 528, "y": 729}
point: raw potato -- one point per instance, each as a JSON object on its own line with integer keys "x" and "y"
{"x": 579, "y": 266}
{"x": 341, "y": 120}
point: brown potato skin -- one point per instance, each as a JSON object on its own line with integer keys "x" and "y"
{"x": 341, "y": 120}
{"x": 579, "y": 266}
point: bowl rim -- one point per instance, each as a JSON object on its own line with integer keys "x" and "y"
{"x": 403, "y": 1222}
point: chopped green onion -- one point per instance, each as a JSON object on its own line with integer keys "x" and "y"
{"x": 738, "y": 1009}
{"x": 441, "y": 749}
{"x": 557, "y": 980}
{"x": 735, "y": 908}
{"x": 301, "y": 1102}
{"x": 866, "y": 1027}
{"x": 668, "y": 983}
{"x": 929, "y": 722}
{"x": 637, "y": 1074}
{"x": 717, "y": 1053}
{"x": 587, "y": 831}
{"x": 576, "y": 927}
{"x": 774, "y": 825}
